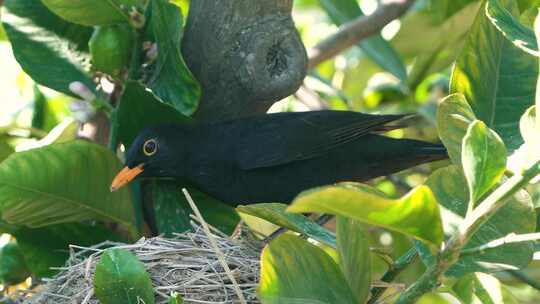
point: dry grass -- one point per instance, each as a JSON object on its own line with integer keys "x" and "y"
{"x": 187, "y": 264}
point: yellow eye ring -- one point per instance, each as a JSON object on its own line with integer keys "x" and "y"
{"x": 150, "y": 147}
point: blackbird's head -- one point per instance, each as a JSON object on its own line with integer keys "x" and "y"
{"x": 148, "y": 156}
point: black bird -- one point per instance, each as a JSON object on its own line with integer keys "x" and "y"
{"x": 273, "y": 157}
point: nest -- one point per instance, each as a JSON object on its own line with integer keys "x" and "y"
{"x": 188, "y": 264}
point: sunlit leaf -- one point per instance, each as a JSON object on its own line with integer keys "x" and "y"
{"x": 276, "y": 213}
{"x": 295, "y": 271}
{"x": 453, "y": 118}
{"x": 478, "y": 288}
{"x": 5, "y": 151}
{"x": 92, "y": 12}
{"x": 516, "y": 216}
{"x": 497, "y": 79}
{"x": 120, "y": 278}
{"x": 519, "y": 34}
{"x": 416, "y": 214}
{"x": 354, "y": 256}
{"x": 52, "y": 51}
{"x": 63, "y": 183}
{"x": 483, "y": 158}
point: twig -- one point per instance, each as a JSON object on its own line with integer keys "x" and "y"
{"x": 524, "y": 278}
{"x": 358, "y": 29}
{"x": 509, "y": 239}
{"x": 395, "y": 269}
{"x": 214, "y": 244}
{"x": 450, "y": 254}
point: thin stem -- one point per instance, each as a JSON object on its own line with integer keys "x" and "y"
{"x": 395, "y": 269}
{"x": 358, "y": 29}
{"x": 450, "y": 254}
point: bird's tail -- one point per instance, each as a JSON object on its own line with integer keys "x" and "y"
{"x": 431, "y": 152}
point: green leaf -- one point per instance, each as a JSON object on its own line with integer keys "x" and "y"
{"x": 5, "y": 151}
{"x": 441, "y": 10}
{"x": 354, "y": 256}
{"x": 454, "y": 115}
{"x": 63, "y": 183}
{"x": 483, "y": 158}
{"x": 121, "y": 278}
{"x": 517, "y": 216}
{"x": 527, "y": 126}
{"x": 275, "y": 213}
{"x": 92, "y": 12}
{"x": 48, "y": 247}
{"x": 171, "y": 214}
{"x": 171, "y": 81}
{"x": 176, "y": 298}
{"x": 497, "y": 79}
{"x": 52, "y": 51}
{"x": 375, "y": 47}
{"x": 295, "y": 271}
{"x": 140, "y": 108}
{"x": 172, "y": 210}
{"x": 479, "y": 288}
{"x": 519, "y": 34}
{"x": 416, "y": 214}
{"x": 13, "y": 268}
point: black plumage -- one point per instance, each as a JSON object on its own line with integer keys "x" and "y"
{"x": 273, "y": 157}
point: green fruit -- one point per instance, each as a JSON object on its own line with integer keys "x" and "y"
{"x": 110, "y": 48}
{"x": 13, "y": 269}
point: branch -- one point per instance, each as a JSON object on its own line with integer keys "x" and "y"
{"x": 450, "y": 254}
{"x": 358, "y": 29}
{"x": 395, "y": 269}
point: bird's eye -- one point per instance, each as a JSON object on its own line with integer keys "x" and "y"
{"x": 150, "y": 147}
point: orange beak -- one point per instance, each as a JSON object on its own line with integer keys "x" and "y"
{"x": 125, "y": 176}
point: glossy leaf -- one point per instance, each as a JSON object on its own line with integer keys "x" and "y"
{"x": 497, "y": 79}
{"x": 478, "y": 288}
{"x": 483, "y": 158}
{"x": 295, "y": 271}
{"x": 354, "y": 256}
{"x": 519, "y": 34}
{"x": 120, "y": 278}
{"x": 171, "y": 81}
{"x": 52, "y": 51}
{"x": 172, "y": 211}
{"x": 275, "y": 213}
{"x": 140, "y": 108}
{"x": 416, "y": 214}
{"x": 517, "y": 216}
{"x": 92, "y": 12}
{"x": 48, "y": 247}
{"x": 375, "y": 47}
{"x": 454, "y": 116}
{"x": 63, "y": 183}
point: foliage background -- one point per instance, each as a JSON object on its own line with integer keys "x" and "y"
{"x": 409, "y": 71}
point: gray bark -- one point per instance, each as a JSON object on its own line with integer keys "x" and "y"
{"x": 246, "y": 54}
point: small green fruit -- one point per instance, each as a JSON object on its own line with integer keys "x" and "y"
{"x": 13, "y": 269}
{"x": 110, "y": 48}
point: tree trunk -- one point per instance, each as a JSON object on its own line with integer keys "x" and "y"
{"x": 246, "y": 54}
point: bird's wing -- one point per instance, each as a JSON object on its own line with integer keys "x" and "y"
{"x": 287, "y": 137}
